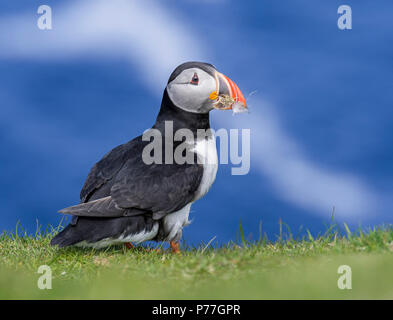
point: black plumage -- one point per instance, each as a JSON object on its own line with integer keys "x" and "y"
{"x": 92, "y": 229}
{"x": 136, "y": 193}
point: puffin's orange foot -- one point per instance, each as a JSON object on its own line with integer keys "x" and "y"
{"x": 129, "y": 245}
{"x": 174, "y": 246}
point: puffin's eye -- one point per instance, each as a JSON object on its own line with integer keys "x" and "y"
{"x": 195, "y": 79}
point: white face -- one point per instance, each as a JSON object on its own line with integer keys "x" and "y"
{"x": 190, "y": 90}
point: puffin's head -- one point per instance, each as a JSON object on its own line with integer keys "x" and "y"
{"x": 198, "y": 87}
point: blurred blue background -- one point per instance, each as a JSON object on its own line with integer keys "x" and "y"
{"x": 321, "y": 120}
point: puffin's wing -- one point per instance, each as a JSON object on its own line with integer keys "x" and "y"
{"x": 104, "y": 208}
{"x": 158, "y": 188}
{"x": 136, "y": 187}
{"x": 107, "y": 168}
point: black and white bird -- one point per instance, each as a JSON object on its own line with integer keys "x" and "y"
{"x": 126, "y": 200}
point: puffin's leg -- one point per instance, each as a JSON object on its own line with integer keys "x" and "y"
{"x": 129, "y": 245}
{"x": 174, "y": 246}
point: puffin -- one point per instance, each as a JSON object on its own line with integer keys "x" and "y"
{"x": 129, "y": 199}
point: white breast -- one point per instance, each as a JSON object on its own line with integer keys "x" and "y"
{"x": 207, "y": 154}
{"x": 173, "y": 223}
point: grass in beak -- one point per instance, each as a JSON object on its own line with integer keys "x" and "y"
{"x": 224, "y": 102}
{"x": 227, "y": 102}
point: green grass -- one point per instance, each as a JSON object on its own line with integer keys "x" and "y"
{"x": 287, "y": 268}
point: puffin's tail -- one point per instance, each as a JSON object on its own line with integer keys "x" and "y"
{"x": 65, "y": 238}
{"x": 93, "y": 230}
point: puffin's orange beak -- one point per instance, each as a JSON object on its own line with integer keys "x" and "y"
{"x": 226, "y": 87}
